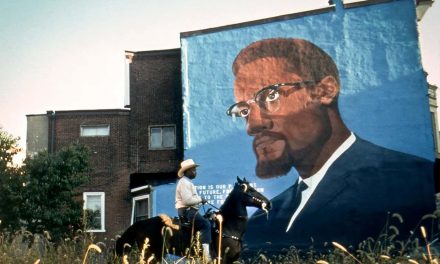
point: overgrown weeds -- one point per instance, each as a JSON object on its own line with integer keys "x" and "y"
{"x": 25, "y": 247}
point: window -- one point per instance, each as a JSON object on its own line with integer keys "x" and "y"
{"x": 163, "y": 137}
{"x": 95, "y": 131}
{"x": 140, "y": 209}
{"x": 94, "y": 211}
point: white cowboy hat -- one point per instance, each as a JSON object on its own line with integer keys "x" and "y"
{"x": 186, "y": 164}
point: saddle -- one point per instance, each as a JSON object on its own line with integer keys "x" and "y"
{"x": 168, "y": 221}
{"x": 182, "y": 221}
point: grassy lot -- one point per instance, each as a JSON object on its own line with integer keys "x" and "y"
{"x": 25, "y": 247}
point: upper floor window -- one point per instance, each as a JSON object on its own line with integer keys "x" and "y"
{"x": 95, "y": 131}
{"x": 163, "y": 137}
{"x": 94, "y": 211}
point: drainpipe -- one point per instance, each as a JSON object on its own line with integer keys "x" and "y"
{"x": 51, "y": 136}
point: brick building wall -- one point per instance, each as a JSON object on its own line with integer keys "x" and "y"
{"x": 155, "y": 99}
{"x": 109, "y": 159}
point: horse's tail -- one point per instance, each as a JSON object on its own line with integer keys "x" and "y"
{"x": 127, "y": 239}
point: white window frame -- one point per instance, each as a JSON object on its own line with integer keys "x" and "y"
{"x": 96, "y": 127}
{"x": 161, "y": 127}
{"x": 137, "y": 198}
{"x": 102, "y": 194}
{"x": 435, "y": 132}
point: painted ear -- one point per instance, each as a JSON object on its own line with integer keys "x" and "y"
{"x": 244, "y": 179}
{"x": 328, "y": 90}
{"x": 239, "y": 180}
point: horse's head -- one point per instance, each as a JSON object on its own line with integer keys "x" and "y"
{"x": 251, "y": 197}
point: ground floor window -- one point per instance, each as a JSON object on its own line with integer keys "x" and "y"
{"x": 94, "y": 211}
{"x": 141, "y": 208}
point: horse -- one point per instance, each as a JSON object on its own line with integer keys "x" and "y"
{"x": 228, "y": 233}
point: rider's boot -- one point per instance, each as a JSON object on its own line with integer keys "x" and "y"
{"x": 206, "y": 255}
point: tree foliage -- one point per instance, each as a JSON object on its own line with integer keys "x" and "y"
{"x": 11, "y": 182}
{"x": 51, "y": 188}
{"x": 42, "y": 195}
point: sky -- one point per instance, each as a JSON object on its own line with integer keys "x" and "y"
{"x": 70, "y": 55}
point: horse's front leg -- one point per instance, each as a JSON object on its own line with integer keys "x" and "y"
{"x": 230, "y": 258}
{"x": 231, "y": 253}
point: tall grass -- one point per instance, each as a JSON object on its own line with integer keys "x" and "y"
{"x": 25, "y": 247}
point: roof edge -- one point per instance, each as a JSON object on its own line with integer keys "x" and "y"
{"x": 258, "y": 22}
{"x": 123, "y": 111}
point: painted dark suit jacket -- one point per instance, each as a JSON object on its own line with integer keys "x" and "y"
{"x": 360, "y": 191}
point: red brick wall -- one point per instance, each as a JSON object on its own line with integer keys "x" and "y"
{"x": 109, "y": 158}
{"x": 155, "y": 99}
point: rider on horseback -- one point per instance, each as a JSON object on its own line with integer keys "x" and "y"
{"x": 188, "y": 201}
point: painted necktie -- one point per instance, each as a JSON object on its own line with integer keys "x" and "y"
{"x": 296, "y": 195}
{"x": 297, "y": 198}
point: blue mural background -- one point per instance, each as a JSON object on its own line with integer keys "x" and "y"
{"x": 383, "y": 95}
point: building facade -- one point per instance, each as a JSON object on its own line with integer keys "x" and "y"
{"x": 133, "y": 149}
{"x": 137, "y": 150}
{"x": 155, "y": 125}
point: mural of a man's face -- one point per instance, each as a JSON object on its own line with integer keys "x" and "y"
{"x": 293, "y": 134}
